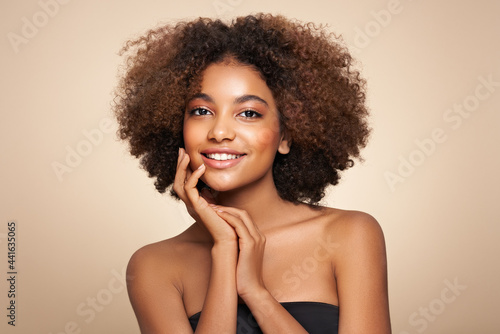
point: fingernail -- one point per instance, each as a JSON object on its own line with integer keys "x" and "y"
{"x": 201, "y": 166}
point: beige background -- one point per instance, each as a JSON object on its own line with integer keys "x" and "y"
{"x": 77, "y": 228}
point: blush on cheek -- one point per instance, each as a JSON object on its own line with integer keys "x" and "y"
{"x": 267, "y": 136}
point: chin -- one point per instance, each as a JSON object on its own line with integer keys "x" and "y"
{"x": 219, "y": 184}
{"x": 215, "y": 186}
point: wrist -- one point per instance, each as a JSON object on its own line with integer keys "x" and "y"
{"x": 225, "y": 248}
{"x": 257, "y": 294}
{"x": 262, "y": 303}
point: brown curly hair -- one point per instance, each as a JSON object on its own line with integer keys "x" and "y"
{"x": 319, "y": 96}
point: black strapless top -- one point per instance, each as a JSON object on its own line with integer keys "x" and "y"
{"x": 315, "y": 317}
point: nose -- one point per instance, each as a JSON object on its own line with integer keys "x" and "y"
{"x": 222, "y": 129}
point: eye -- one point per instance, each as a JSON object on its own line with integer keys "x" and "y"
{"x": 250, "y": 114}
{"x": 199, "y": 111}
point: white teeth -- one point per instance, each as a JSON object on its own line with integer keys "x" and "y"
{"x": 222, "y": 156}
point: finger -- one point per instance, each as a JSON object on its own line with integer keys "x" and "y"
{"x": 181, "y": 164}
{"x": 181, "y": 175}
{"x": 194, "y": 177}
{"x": 188, "y": 169}
{"x": 238, "y": 224}
{"x": 245, "y": 218}
{"x": 189, "y": 172}
{"x": 190, "y": 186}
{"x": 182, "y": 152}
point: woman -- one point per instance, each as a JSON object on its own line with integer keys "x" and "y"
{"x": 249, "y": 122}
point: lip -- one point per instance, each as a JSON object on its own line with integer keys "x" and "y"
{"x": 226, "y": 150}
{"x": 218, "y": 164}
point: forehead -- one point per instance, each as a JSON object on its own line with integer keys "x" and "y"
{"x": 234, "y": 80}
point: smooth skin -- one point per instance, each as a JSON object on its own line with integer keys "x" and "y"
{"x": 247, "y": 244}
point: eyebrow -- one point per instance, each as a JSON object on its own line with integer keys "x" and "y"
{"x": 245, "y": 98}
{"x": 238, "y": 100}
{"x": 202, "y": 96}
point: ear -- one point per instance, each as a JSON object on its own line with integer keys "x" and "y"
{"x": 285, "y": 144}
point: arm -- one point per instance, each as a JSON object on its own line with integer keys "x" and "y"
{"x": 271, "y": 316}
{"x": 361, "y": 273}
{"x": 219, "y": 310}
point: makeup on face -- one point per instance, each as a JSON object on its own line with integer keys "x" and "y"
{"x": 232, "y": 127}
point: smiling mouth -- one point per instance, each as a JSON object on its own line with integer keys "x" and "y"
{"x": 223, "y": 156}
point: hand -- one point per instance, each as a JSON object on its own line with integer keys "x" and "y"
{"x": 251, "y": 244}
{"x": 198, "y": 205}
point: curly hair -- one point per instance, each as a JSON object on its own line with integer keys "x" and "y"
{"x": 319, "y": 96}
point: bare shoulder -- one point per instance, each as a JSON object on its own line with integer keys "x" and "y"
{"x": 344, "y": 227}
{"x": 357, "y": 237}
{"x": 161, "y": 258}
{"x": 350, "y": 226}
{"x": 151, "y": 269}
{"x": 151, "y": 258}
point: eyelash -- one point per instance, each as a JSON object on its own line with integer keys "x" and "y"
{"x": 196, "y": 112}
{"x": 254, "y": 113}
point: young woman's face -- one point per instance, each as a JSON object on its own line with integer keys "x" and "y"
{"x": 232, "y": 127}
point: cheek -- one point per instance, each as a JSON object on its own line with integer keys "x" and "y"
{"x": 191, "y": 136}
{"x": 265, "y": 137}
{"x": 269, "y": 136}
{"x": 266, "y": 140}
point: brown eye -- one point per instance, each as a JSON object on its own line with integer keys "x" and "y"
{"x": 200, "y": 112}
{"x": 250, "y": 114}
